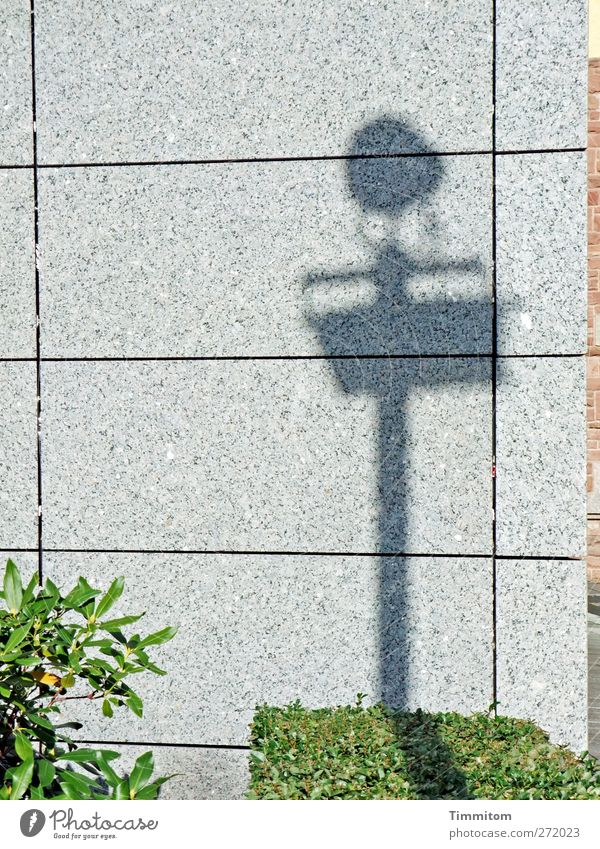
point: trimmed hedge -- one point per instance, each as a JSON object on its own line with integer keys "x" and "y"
{"x": 374, "y": 753}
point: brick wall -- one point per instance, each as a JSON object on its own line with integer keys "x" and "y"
{"x": 593, "y": 384}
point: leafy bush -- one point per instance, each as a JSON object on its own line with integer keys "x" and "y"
{"x": 49, "y": 644}
{"x": 373, "y": 753}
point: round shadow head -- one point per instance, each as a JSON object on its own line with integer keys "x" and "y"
{"x": 391, "y": 184}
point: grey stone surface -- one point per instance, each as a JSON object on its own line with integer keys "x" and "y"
{"x": 541, "y": 74}
{"x": 277, "y": 455}
{"x": 312, "y": 265}
{"x": 197, "y": 773}
{"x": 26, "y": 561}
{"x": 541, "y": 456}
{"x": 542, "y": 671}
{"x": 18, "y": 471}
{"x": 17, "y": 275}
{"x": 136, "y": 81}
{"x": 254, "y": 628}
{"x": 541, "y": 253}
{"x": 15, "y": 84}
{"x": 267, "y": 259}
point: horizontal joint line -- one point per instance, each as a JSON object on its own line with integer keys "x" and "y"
{"x": 274, "y": 159}
{"x": 292, "y": 357}
{"x": 263, "y": 553}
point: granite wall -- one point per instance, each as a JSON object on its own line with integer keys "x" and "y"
{"x": 306, "y": 315}
{"x": 593, "y": 342}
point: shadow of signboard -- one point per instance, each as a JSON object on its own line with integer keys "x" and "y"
{"x": 387, "y": 337}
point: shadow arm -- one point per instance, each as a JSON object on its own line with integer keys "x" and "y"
{"x": 466, "y": 266}
{"x": 327, "y": 278}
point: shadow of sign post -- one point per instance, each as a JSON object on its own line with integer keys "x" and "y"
{"x": 386, "y": 346}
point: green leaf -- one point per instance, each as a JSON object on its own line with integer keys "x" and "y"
{"x": 46, "y": 772}
{"x": 51, "y": 589}
{"x": 68, "y": 680}
{"x": 157, "y": 638}
{"x": 73, "y": 785}
{"x": 152, "y": 667}
{"x": 141, "y": 773}
{"x": 23, "y": 660}
{"x": 88, "y": 610}
{"x": 80, "y": 595}
{"x": 122, "y": 790}
{"x": 40, "y": 720}
{"x": 21, "y": 779}
{"x": 107, "y": 708}
{"x": 65, "y": 635}
{"x": 105, "y": 642}
{"x": 115, "y": 624}
{"x": 112, "y": 595}
{"x": 151, "y": 790}
{"x": 23, "y": 747}
{"x": 108, "y": 772}
{"x": 13, "y": 588}
{"x": 134, "y": 703}
{"x": 95, "y": 664}
{"x": 30, "y": 589}
{"x": 17, "y": 636}
{"x": 87, "y": 755}
{"x": 148, "y": 792}
{"x": 74, "y": 663}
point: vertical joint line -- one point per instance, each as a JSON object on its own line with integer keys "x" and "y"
{"x": 37, "y": 298}
{"x": 494, "y": 377}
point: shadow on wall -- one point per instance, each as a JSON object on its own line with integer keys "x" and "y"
{"x": 396, "y": 196}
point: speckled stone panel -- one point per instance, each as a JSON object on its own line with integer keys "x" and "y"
{"x": 26, "y": 561}
{"x": 542, "y": 675}
{"x": 17, "y": 278}
{"x": 15, "y": 84}
{"x": 541, "y": 456}
{"x": 309, "y": 455}
{"x": 208, "y": 459}
{"x": 267, "y": 259}
{"x": 541, "y": 253}
{"x": 18, "y": 493}
{"x": 256, "y": 628}
{"x": 541, "y": 74}
{"x": 197, "y": 773}
{"x": 138, "y": 80}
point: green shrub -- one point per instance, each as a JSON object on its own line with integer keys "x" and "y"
{"x": 373, "y": 753}
{"x": 56, "y": 648}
